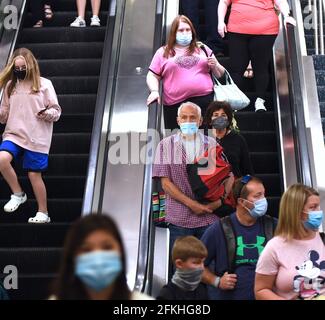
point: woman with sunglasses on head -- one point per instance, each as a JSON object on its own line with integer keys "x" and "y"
{"x": 28, "y": 108}
{"x": 292, "y": 265}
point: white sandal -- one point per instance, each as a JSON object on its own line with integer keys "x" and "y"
{"x": 40, "y": 218}
{"x": 14, "y": 203}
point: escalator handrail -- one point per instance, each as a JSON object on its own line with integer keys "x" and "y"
{"x": 298, "y": 101}
{"x": 10, "y": 36}
{"x": 87, "y": 207}
{"x": 146, "y": 239}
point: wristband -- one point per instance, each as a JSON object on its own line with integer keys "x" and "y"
{"x": 216, "y": 282}
{"x": 154, "y": 91}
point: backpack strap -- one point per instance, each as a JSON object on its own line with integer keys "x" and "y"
{"x": 322, "y": 235}
{"x": 268, "y": 226}
{"x": 230, "y": 239}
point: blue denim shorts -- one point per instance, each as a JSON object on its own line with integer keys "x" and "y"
{"x": 32, "y": 161}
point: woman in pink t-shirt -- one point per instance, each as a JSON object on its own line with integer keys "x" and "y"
{"x": 28, "y": 108}
{"x": 252, "y": 29}
{"x": 292, "y": 265}
{"x": 184, "y": 69}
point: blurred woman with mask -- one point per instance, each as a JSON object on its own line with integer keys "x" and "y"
{"x": 292, "y": 265}
{"x": 184, "y": 69}
{"x": 93, "y": 265}
{"x": 219, "y": 118}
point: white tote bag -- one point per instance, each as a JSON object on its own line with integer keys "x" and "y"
{"x": 230, "y": 93}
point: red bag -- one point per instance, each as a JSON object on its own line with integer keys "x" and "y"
{"x": 207, "y": 174}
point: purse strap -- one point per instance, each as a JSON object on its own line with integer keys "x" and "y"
{"x": 227, "y": 77}
{"x": 214, "y": 78}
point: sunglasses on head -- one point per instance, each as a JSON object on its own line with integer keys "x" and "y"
{"x": 246, "y": 179}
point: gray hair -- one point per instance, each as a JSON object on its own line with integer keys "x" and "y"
{"x": 188, "y": 103}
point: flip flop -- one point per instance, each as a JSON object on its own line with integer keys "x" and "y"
{"x": 249, "y": 73}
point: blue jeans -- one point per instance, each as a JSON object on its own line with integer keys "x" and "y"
{"x": 176, "y": 232}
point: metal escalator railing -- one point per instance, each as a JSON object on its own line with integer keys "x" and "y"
{"x": 147, "y": 230}
{"x": 9, "y": 31}
{"x": 101, "y": 118}
{"x": 300, "y": 126}
{"x": 157, "y": 247}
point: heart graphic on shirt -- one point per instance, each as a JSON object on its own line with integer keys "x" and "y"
{"x": 187, "y": 62}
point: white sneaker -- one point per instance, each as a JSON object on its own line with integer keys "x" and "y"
{"x": 14, "y": 202}
{"x": 78, "y": 23}
{"x": 40, "y": 218}
{"x": 259, "y": 105}
{"x": 95, "y": 22}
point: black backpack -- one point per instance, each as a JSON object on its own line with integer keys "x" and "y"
{"x": 230, "y": 238}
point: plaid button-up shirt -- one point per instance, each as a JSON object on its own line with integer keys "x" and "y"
{"x": 170, "y": 162}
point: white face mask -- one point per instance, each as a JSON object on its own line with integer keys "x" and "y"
{"x": 183, "y": 39}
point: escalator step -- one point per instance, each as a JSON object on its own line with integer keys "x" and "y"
{"x": 62, "y": 34}
{"x": 60, "y": 50}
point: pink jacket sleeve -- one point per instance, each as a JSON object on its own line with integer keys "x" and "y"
{"x": 5, "y": 107}
{"x": 51, "y": 101}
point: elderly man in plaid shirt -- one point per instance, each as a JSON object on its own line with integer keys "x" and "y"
{"x": 184, "y": 215}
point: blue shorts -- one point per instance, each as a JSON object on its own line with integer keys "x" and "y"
{"x": 32, "y": 161}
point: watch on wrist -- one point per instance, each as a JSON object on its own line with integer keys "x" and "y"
{"x": 216, "y": 282}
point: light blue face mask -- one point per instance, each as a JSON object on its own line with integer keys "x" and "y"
{"x": 189, "y": 128}
{"x": 183, "y": 39}
{"x": 98, "y": 269}
{"x": 260, "y": 208}
{"x": 314, "y": 219}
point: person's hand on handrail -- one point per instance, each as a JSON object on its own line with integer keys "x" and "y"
{"x": 153, "y": 96}
{"x": 290, "y": 20}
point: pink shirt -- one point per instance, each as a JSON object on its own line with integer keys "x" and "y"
{"x": 253, "y": 17}
{"x": 19, "y": 113}
{"x": 183, "y": 75}
{"x": 299, "y": 266}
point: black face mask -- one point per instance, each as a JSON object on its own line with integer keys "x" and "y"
{"x": 220, "y": 123}
{"x": 20, "y": 74}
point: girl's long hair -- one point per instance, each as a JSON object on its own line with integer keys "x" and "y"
{"x": 169, "y": 48}
{"x": 67, "y": 286}
{"x": 32, "y": 75}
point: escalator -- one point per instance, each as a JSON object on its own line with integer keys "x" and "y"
{"x": 282, "y": 148}
{"x": 72, "y": 59}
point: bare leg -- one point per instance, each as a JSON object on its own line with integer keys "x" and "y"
{"x": 39, "y": 190}
{"x": 81, "y": 7}
{"x": 8, "y": 172}
{"x": 95, "y": 5}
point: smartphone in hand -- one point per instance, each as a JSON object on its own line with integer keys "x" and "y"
{"x": 40, "y": 112}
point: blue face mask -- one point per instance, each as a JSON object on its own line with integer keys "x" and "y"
{"x": 189, "y": 128}
{"x": 183, "y": 39}
{"x": 314, "y": 219}
{"x": 98, "y": 269}
{"x": 260, "y": 208}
